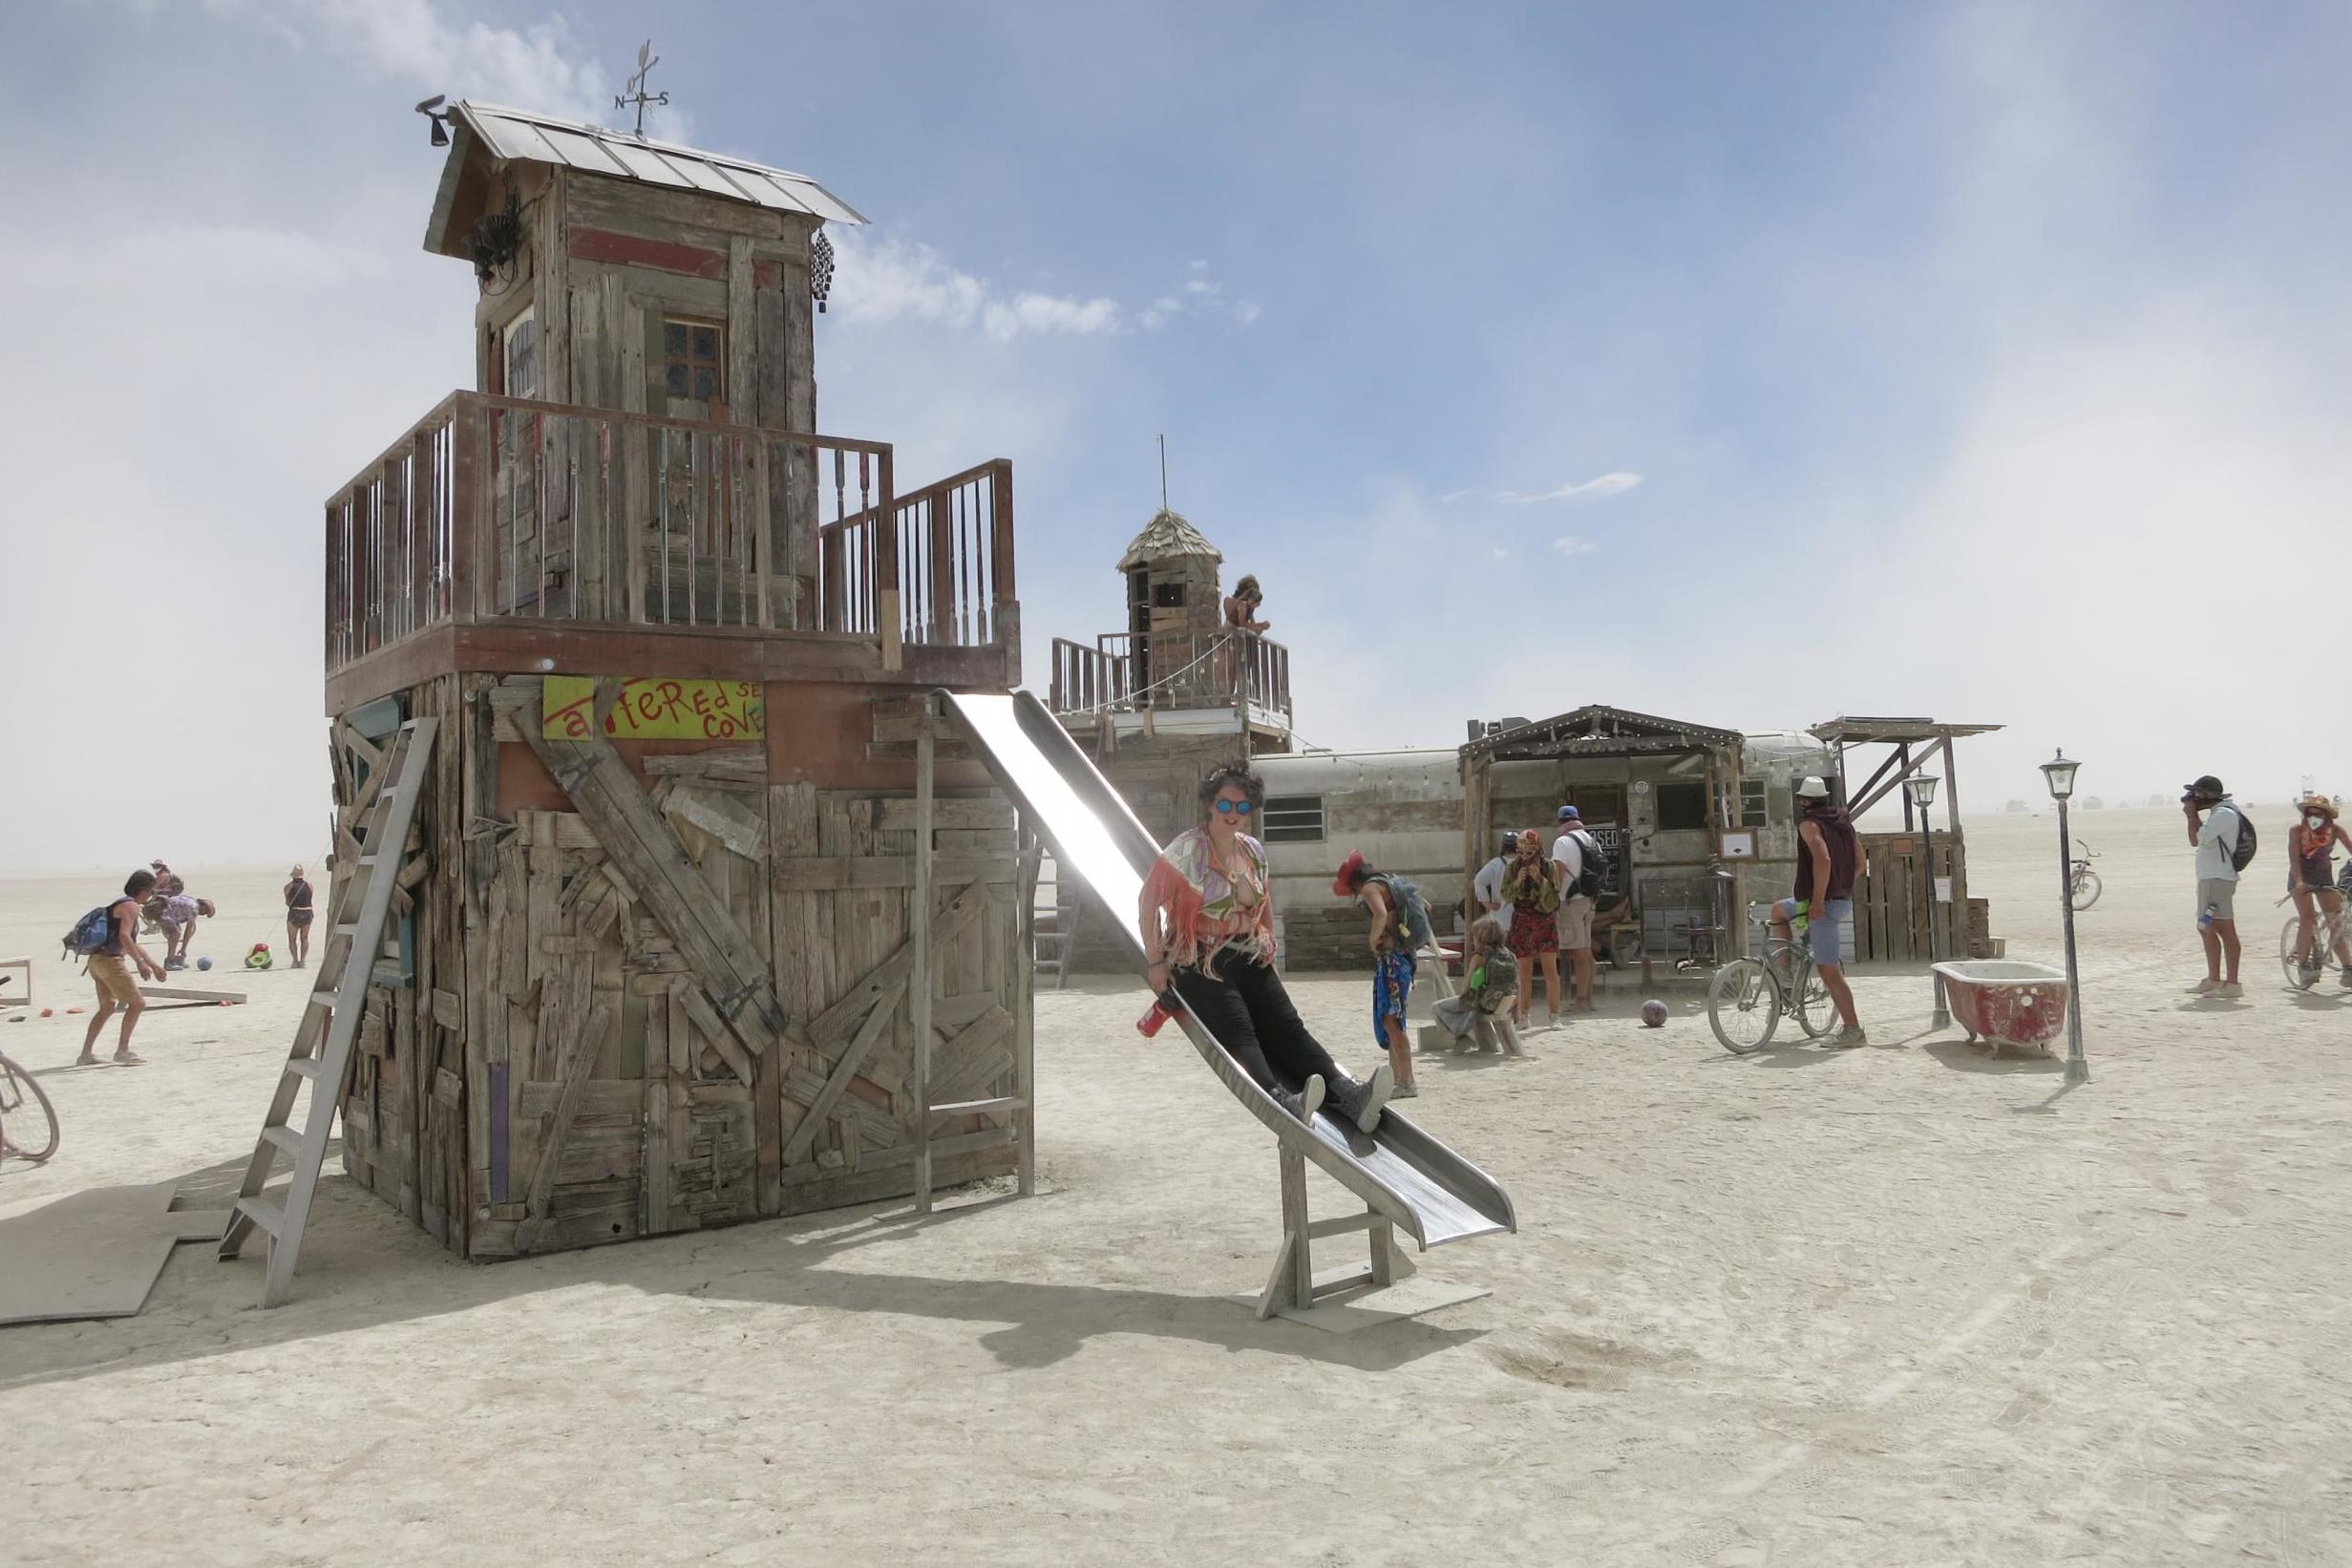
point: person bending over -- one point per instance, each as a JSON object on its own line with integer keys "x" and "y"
{"x": 1393, "y": 961}
{"x": 1206, "y": 918}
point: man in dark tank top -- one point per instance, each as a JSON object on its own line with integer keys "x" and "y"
{"x": 1828, "y": 854}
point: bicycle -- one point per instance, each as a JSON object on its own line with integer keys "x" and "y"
{"x": 2330, "y": 935}
{"x": 2082, "y": 885}
{"x": 1747, "y": 996}
{"x": 20, "y": 1097}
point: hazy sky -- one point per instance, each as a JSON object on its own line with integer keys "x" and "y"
{"x": 1747, "y": 365}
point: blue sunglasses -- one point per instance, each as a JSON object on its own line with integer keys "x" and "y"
{"x": 1227, "y": 808}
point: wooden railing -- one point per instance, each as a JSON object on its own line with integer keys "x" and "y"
{"x": 1170, "y": 673}
{"x": 496, "y": 508}
{"x": 953, "y": 561}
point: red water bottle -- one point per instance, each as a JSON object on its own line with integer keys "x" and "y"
{"x": 1149, "y": 1024}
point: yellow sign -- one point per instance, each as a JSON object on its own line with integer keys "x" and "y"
{"x": 653, "y": 708}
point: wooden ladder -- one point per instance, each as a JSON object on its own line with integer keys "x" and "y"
{"x": 322, "y": 1049}
{"x": 1055, "y": 945}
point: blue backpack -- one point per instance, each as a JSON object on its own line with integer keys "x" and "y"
{"x": 93, "y": 933}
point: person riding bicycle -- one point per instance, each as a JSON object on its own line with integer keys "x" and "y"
{"x": 2311, "y": 854}
{"x": 1828, "y": 856}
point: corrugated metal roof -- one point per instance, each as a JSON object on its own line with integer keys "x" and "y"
{"x": 521, "y": 133}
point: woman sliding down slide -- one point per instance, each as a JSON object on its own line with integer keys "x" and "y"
{"x": 1207, "y": 920}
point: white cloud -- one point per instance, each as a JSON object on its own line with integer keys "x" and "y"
{"x": 1599, "y": 489}
{"x": 541, "y": 66}
{"x": 889, "y": 280}
{"x": 1202, "y": 297}
{"x": 1574, "y": 546}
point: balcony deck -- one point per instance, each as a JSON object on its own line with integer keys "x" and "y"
{"x": 1223, "y": 680}
{"x": 512, "y": 537}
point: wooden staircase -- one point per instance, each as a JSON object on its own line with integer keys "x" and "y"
{"x": 322, "y": 1049}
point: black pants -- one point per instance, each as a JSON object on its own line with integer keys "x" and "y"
{"x": 1245, "y": 1007}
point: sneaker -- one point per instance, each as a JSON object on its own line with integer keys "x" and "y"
{"x": 2231, "y": 991}
{"x": 1846, "y": 1038}
{"x": 1406, "y": 1092}
{"x": 1375, "y": 1093}
{"x": 2205, "y": 987}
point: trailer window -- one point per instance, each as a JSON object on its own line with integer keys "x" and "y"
{"x": 1754, "y": 809}
{"x": 1293, "y": 820}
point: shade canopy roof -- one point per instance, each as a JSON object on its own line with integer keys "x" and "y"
{"x": 1865, "y": 731}
{"x": 1599, "y": 730}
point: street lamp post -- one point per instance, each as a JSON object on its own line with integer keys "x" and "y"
{"x": 2060, "y": 773}
{"x": 1921, "y": 788}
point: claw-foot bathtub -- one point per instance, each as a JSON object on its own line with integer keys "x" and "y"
{"x": 2004, "y": 1001}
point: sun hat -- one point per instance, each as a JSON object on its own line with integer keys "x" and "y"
{"x": 1811, "y": 788}
{"x": 2205, "y": 784}
{"x": 2316, "y": 802}
{"x": 1344, "y": 886}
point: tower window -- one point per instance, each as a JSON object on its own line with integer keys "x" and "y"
{"x": 691, "y": 352}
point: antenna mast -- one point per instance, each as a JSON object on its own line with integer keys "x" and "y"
{"x": 1163, "y": 473}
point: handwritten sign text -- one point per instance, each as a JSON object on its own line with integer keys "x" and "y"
{"x": 651, "y": 708}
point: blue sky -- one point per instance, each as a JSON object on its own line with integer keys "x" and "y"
{"x": 1983, "y": 361}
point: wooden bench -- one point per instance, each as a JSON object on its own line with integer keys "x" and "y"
{"x": 26, "y": 965}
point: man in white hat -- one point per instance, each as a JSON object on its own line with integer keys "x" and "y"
{"x": 1828, "y": 853}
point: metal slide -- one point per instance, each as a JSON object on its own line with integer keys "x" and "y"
{"x": 1423, "y": 1187}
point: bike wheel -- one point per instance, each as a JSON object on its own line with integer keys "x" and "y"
{"x": 1816, "y": 1014}
{"x": 1742, "y": 1005}
{"x": 2084, "y": 891}
{"x": 2305, "y": 976}
{"x": 28, "y": 1122}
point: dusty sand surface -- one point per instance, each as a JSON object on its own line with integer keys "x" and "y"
{"x": 1898, "y": 1305}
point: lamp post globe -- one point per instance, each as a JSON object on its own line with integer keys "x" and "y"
{"x": 2059, "y": 773}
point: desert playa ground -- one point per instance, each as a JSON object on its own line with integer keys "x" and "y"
{"x": 1896, "y": 1306}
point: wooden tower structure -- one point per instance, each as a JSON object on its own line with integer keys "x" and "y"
{"x": 1160, "y": 702}
{"x": 657, "y": 958}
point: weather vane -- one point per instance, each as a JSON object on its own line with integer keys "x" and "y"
{"x": 637, "y": 95}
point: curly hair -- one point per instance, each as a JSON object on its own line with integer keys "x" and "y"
{"x": 1237, "y": 772}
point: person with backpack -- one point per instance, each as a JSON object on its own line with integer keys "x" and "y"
{"x": 1400, "y": 930}
{"x": 1576, "y": 859}
{"x": 2225, "y": 843}
{"x": 106, "y": 937}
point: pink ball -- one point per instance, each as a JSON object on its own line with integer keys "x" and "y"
{"x": 1653, "y": 1015}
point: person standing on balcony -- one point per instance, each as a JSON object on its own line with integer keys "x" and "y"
{"x": 1241, "y": 627}
{"x": 1206, "y": 918}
